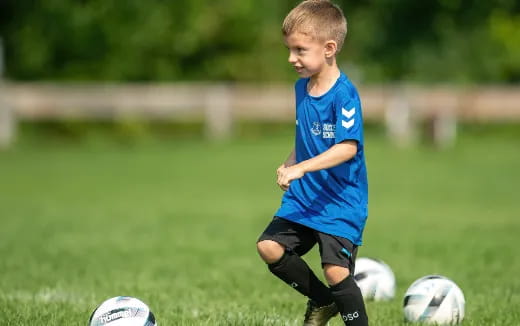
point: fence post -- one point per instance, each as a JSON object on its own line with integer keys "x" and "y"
{"x": 442, "y": 128}
{"x": 440, "y": 119}
{"x": 218, "y": 113}
{"x": 399, "y": 120}
{"x": 7, "y": 117}
{"x": 7, "y": 126}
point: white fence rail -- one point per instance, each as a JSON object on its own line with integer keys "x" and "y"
{"x": 220, "y": 104}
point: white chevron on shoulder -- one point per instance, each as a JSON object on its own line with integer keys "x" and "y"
{"x": 348, "y": 113}
{"x": 348, "y": 124}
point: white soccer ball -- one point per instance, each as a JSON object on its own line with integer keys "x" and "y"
{"x": 434, "y": 299}
{"x": 122, "y": 311}
{"x": 375, "y": 279}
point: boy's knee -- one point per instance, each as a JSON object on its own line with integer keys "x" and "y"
{"x": 270, "y": 251}
{"x": 335, "y": 274}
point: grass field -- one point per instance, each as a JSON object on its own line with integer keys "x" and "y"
{"x": 175, "y": 225}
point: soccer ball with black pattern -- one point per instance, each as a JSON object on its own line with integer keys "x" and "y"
{"x": 122, "y": 311}
{"x": 434, "y": 299}
{"x": 375, "y": 279}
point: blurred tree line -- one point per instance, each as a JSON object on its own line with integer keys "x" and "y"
{"x": 462, "y": 41}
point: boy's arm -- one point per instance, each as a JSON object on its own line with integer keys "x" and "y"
{"x": 290, "y": 161}
{"x": 335, "y": 155}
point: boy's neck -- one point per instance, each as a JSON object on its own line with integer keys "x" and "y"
{"x": 323, "y": 81}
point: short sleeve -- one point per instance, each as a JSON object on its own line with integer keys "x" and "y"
{"x": 349, "y": 121}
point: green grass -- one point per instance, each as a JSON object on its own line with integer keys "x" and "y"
{"x": 175, "y": 225}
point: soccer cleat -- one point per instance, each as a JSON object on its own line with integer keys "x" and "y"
{"x": 319, "y": 316}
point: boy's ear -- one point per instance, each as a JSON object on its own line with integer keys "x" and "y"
{"x": 330, "y": 48}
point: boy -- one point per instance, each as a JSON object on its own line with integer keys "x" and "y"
{"x": 324, "y": 177}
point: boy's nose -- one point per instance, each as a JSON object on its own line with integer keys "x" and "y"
{"x": 292, "y": 58}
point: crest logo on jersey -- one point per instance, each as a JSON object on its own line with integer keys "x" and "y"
{"x": 316, "y": 128}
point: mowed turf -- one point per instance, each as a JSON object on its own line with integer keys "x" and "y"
{"x": 175, "y": 225}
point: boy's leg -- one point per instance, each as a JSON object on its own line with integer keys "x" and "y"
{"x": 295, "y": 240}
{"x": 349, "y": 301}
{"x": 338, "y": 256}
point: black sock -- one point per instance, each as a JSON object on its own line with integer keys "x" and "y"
{"x": 349, "y": 300}
{"x": 293, "y": 270}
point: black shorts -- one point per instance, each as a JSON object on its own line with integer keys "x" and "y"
{"x": 300, "y": 239}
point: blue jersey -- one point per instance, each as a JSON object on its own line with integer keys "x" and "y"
{"x": 332, "y": 201}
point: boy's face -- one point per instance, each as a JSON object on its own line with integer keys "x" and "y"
{"x": 307, "y": 55}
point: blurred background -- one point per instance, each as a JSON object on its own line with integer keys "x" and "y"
{"x": 139, "y": 142}
{"x": 433, "y": 61}
{"x": 457, "y": 41}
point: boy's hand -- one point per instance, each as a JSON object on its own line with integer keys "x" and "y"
{"x": 288, "y": 174}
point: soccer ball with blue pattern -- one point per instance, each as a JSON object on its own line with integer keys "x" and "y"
{"x": 434, "y": 299}
{"x": 122, "y": 311}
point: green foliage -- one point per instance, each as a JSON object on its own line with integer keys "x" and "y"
{"x": 239, "y": 40}
{"x": 461, "y": 41}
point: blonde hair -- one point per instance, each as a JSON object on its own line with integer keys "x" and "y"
{"x": 320, "y": 19}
